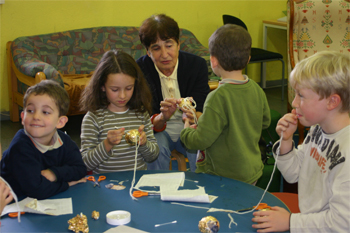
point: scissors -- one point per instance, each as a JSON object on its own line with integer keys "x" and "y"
{"x": 15, "y": 214}
{"x": 96, "y": 183}
{"x": 261, "y": 206}
{"x": 142, "y": 194}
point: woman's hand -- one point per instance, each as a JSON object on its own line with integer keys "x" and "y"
{"x": 276, "y": 219}
{"x": 168, "y": 107}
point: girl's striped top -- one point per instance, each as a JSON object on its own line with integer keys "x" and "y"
{"x": 122, "y": 156}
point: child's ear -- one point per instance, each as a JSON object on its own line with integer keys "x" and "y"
{"x": 61, "y": 122}
{"x": 249, "y": 59}
{"x": 334, "y": 101}
{"x": 214, "y": 61}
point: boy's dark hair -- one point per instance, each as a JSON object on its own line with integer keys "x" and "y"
{"x": 231, "y": 45}
{"x": 53, "y": 90}
{"x": 116, "y": 62}
{"x": 161, "y": 26}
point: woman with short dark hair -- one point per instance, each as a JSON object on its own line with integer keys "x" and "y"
{"x": 171, "y": 74}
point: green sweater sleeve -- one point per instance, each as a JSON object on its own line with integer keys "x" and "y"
{"x": 210, "y": 126}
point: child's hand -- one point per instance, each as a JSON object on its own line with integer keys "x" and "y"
{"x": 188, "y": 115}
{"x": 115, "y": 136}
{"x": 168, "y": 107}
{"x": 5, "y": 195}
{"x": 143, "y": 137}
{"x": 288, "y": 124}
{"x": 82, "y": 180}
{"x": 48, "y": 174}
{"x": 276, "y": 219}
{"x": 188, "y": 124}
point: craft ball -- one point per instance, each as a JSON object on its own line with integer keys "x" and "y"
{"x": 185, "y": 102}
{"x": 132, "y": 137}
{"x": 209, "y": 224}
{"x": 78, "y": 224}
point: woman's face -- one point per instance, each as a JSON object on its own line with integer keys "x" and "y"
{"x": 164, "y": 54}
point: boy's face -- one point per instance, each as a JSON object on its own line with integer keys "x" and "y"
{"x": 309, "y": 108}
{"x": 40, "y": 118}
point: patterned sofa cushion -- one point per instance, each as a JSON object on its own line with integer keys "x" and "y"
{"x": 70, "y": 57}
{"x": 79, "y": 51}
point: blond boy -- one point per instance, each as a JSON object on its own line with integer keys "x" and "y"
{"x": 321, "y": 164}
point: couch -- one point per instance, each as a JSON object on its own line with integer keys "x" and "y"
{"x": 70, "y": 58}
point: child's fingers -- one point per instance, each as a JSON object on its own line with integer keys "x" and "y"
{"x": 121, "y": 131}
{"x": 9, "y": 198}
{"x": 143, "y": 138}
{"x": 141, "y": 128}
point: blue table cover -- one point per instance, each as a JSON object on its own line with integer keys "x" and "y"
{"x": 148, "y": 211}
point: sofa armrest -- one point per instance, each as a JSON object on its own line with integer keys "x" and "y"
{"x": 28, "y": 62}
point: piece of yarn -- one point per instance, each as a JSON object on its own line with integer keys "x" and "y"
{"x": 135, "y": 166}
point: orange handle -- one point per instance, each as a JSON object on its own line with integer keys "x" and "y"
{"x": 100, "y": 178}
{"x": 91, "y": 178}
{"x": 139, "y": 194}
{"x": 262, "y": 206}
{"x": 15, "y": 214}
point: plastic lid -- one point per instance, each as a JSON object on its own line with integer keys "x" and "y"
{"x": 118, "y": 217}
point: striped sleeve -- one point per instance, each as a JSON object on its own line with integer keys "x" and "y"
{"x": 150, "y": 150}
{"x": 92, "y": 149}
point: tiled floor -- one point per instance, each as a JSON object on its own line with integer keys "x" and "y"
{"x": 8, "y": 129}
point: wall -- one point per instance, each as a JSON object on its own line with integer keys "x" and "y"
{"x": 202, "y": 17}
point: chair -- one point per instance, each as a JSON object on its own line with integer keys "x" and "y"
{"x": 315, "y": 26}
{"x": 181, "y": 160}
{"x": 290, "y": 200}
{"x": 258, "y": 55}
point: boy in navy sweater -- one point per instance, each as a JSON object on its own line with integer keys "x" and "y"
{"x": 42, "y": 161}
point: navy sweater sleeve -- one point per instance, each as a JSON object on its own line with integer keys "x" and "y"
{"x": 70, "y": 165}
{"x": 22, "y": 164}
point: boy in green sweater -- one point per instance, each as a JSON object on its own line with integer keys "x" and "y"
{"x": 234, "y": 114}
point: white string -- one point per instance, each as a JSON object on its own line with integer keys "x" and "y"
{"x": 268, "y": 185}
{"x": 262, "y": 197}
{"x": 193, "y": 206}
{"x": 232, "y": 221}
{"x": 138, "y": 142}
{"x": 190, "y": 108}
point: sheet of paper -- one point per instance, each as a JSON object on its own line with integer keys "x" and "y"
{"x": 166, "y": 181}
{"x": 49, "y": 206}
{"x": 186, "y": 195}
{"x": 124, "y": 229}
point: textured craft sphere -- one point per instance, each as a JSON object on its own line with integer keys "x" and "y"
{"x": 209, "y": 224}
{"x": 132, "y": 137}
{"x": 184, "y": 102}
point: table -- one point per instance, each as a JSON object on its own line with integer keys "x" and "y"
{"x": 269, "y": 24}
{"x": 148, "y": 211}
